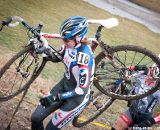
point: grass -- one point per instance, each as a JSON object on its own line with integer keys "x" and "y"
{"x": 52, "y": 13}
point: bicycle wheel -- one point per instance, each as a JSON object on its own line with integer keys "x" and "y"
{"x": 95, "y": 108}
{"x": 19, "y": 72}
{"x": 117, "y": 71}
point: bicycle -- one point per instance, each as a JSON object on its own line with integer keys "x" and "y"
{"x": 38, "y": 47}
{"x": 116, "y": 87}
{"x": 32, "y": 59}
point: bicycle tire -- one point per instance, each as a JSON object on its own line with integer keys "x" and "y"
{"x": 125, "y": 48}
{"x": 76, "y": 121}
{"x": 27, "y": 84}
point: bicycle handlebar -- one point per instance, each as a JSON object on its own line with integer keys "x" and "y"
{"x": 16, "y": 20}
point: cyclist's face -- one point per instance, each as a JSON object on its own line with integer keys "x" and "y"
{"x": 69, "y": 43}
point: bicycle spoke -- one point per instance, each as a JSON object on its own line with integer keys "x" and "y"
{"x": 149, "y": 63}
{"x": 141, "y": 60}
{"x": 119, "y": 61}
{"x": 123, "y": 58}
{"x": 133, "y": 58}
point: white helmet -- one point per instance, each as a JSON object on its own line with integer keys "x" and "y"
{"x": 155, "y": 71}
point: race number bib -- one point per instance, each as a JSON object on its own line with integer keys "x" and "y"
{"x": 83, "y": 58}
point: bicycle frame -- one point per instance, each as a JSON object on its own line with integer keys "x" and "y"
{"x": 41, "y": 37}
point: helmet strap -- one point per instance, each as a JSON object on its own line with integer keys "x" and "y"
{"x": 74, "y": 39}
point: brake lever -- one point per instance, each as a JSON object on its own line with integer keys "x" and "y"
{"x": 5, "y": 22}
{"x": 1, "y": 27}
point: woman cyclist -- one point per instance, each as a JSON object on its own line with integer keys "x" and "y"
{"x": 140, "y": 112}
{"x": 71, "y": 95}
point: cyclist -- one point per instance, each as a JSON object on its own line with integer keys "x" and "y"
{"x": 140, "y": 112}
{"x": 71, "y": 95}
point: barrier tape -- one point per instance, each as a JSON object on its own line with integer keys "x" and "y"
{"x": 97, "y": 123}
{"x": 82, "y": 119}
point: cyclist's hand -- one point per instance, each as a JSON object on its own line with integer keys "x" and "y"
{"x": 142, "y": 67}
{"x": 49, "y": 100}
{"x": 146, "y": 123}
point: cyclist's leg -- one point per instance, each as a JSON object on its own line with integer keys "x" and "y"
{"x": 37, "y": 118}
{"x": 41, "y": 113}
{"x": 68, "y": 111}
{"x": 123, "y": 122}
{"x": 50, "y": 126}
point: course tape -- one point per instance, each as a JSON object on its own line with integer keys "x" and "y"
{"x": 82, "y": 119}
{"x": 97, "y": 124}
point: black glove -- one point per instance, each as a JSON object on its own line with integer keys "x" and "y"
{"x": 141, "y": 67}
{"x": 146, "y": 123}
{"x": 49, "y": 100}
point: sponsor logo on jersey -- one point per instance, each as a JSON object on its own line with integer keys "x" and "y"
{"x": 55, "y": 116}
{"x": 59, "y": 115}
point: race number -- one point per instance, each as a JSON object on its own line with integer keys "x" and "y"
{"x": 83, "y": 58}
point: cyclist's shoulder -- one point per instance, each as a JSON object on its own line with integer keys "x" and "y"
{"x": 157, "y": 94}
{"x": 85, "y": 55}
{"x": 85, "y": 48}
{"x": 62, "y": 48}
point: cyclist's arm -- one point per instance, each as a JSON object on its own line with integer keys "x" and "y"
{"x": 138, "y": 68}
{"x": 94, "y": 45}
{"x": 157, "y": 117}
{"x": 91, "y": 41}
{"x": 54, "y": 58}
{"x": 83, "y": 77}
{"x": 82, "y": 84}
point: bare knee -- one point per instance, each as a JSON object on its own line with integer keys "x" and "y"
{"x": 123, "y": 122}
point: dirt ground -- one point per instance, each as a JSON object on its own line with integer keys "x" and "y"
{"x": 21, "y": 120}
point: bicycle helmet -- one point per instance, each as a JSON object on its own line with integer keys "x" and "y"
{"x": 74, "y": 26}
{"x": 155, "y": 70}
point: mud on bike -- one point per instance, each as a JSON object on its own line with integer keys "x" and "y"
{"x": 23, "y": 68}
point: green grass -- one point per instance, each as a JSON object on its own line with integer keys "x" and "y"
{"x": 53, "y": 71}
{"x": 52, "y": 13}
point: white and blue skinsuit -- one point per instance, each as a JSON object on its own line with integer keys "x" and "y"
{"x": 143, "y": 108}
{"x": 74, "y": 88}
